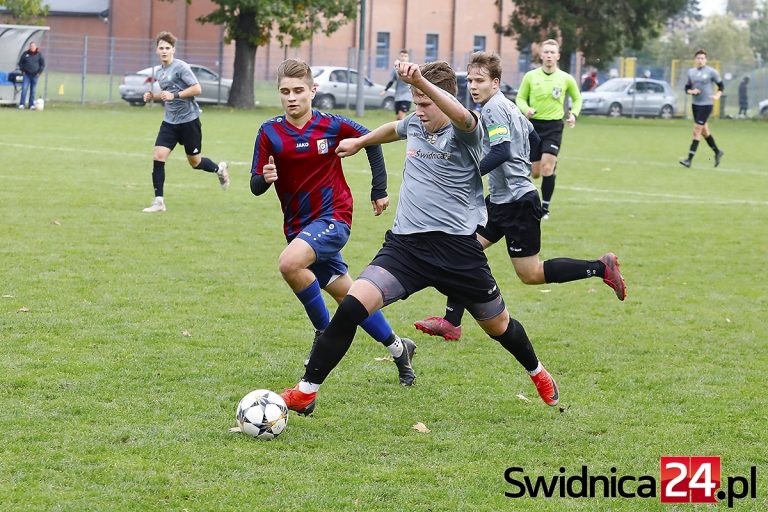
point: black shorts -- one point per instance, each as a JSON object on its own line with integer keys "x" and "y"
{"x": 402, "y": 106}
{"x": 551, "y": 133}
{"x": 455, "y": 265}
{"x": 519, "y": 222}
{"x": 189, "y": 134}
{"x": 701, "y": 113}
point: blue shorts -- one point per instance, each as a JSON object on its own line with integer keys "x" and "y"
{"x": 326, "y": 237}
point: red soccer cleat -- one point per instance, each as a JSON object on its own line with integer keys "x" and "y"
{"x": 612, "y": 275}
{"x": 547, "y": 387}
{"x": 302, "y": 403}
{"x": 439, "y": 326}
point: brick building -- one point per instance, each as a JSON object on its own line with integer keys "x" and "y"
{"x": 124, "y": 30}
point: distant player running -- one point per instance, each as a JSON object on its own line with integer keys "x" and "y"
{"x": 432, "y": 242}
{"x": 514, "y": 208}
{"x": 403, "y": 96}
{"x": 701, "y": 86}
{"x": 295, "y": 151}
{"x": 541, "y": 98}
{"x": 181, "y": 124}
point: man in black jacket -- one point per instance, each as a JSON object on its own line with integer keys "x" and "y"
{"x": 31, "y": 65}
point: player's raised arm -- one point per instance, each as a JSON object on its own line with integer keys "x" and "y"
{"x": 381, "y": 135}
{"x": 460, "y": 117}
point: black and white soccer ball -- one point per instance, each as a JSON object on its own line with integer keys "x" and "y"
{"x": 262, "y": 414}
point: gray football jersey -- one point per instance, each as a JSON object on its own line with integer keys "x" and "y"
{"x": 402, "y": 89}
{"x": 703, "y": 79}
{"x": 503, "y": 122}
{"x": 175, "y": 78}
{"x": 442, "y": 189}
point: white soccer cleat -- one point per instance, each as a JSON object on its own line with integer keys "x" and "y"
{"x": 158, "y": 205}
{"x": 223, "y": 175}
{"x": 21, "y": 107}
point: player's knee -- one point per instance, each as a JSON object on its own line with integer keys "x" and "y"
{"x": 497, "y": 325}
{"x": 530, "y": 275}
{"x": 288, "y": 265}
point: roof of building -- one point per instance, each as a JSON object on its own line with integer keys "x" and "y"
{"x": 74, "y": 7}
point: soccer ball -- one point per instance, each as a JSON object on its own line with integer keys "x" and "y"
{"x": 262, "y": 414}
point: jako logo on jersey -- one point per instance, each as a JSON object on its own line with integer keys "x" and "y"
{"x": 302, "y": 145}
{"x": 322, "y": 146}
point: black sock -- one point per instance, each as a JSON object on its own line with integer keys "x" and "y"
{"x": 711, "y": 141}
{"x": 547, "y": 189}
{"x": 158, "y": 177}
{"x": 207, "y": 165}
{"x": 335, "y": 340}
{"x": 563, "y": 270}
{"x": 453, "y": 312}
{"x": 692, "y": 151}
{"x": 516, "y": 341}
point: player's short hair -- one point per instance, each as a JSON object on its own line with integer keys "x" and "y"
{"x": 403, "y": 51}
{"x": 167, "y": 37}
{"x": 441, "y": 74}
{"x": 552, "y": 42}
{"x": 700, "y": 51}
{"x": 489, "y": 61}
{"x": 295, "y": 68}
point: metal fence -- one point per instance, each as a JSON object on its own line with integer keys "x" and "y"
{"x": 89, "y": 69}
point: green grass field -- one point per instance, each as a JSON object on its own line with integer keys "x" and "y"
{"x": 127, "y": 339}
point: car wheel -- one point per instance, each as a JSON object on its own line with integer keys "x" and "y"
{"x": 137, "y": 103}
{"x": 764, "y": 112}
{"x": 666, "y": 112}
{"x": 388, "y": 103}
{"x": 326, "y": 102}
{"x": 614, "y": 110}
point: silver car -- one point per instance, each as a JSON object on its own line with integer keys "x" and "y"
{"x": 337, "y": 86}
{"x": 134, "y": 85}
{"x": 627, "y": 96}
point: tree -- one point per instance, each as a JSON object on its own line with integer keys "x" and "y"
{"x": 758, "y": 34}
{"x": 741, "y": 9}
{"x": 600, "y": 29}
{"x": 251, "y": 23}
{"x": 725, "y": 41}
{"x": 26, "y": 12}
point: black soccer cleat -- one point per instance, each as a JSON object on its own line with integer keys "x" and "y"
{"x": 718, "y": 156}
{"x": 687, "y": 163}
{"x": 403, "y": 362}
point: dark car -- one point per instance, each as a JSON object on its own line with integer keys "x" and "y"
{"x": 465, "y": 98}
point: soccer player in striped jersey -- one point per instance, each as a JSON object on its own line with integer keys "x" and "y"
{"x": 296, "y": 153}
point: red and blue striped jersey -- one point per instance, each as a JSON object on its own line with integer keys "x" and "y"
{"x": 310, "y": 179}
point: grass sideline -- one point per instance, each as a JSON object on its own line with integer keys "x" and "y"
{"x": 107, "y": 403}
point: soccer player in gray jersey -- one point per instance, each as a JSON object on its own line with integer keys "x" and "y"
{"x": 181, "y": 124}
{"x": 514, "y": 208}
{"x": 701, "y": 86}
{"x": 433, "y": 240}
{"x": 403, "y": 96}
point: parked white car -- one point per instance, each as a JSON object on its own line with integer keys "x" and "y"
{"x": 134, "y": 85}
{"x": 625, "y": 96}
{"x": 337, "y": 86}
{"x": 762, "y": 108}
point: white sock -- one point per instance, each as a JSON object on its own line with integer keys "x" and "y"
{"x": 396, "y": 349}
{"x": 308, "y": 387}
{"x": 536, "y": 371}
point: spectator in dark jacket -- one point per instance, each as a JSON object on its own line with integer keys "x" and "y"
{"x": 743, "y": 101}
{"x": 31, "y": 65}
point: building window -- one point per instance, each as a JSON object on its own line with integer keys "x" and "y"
{"x": 431, "y": 48}
{"x": 382, "y": 50}
{"x": 478, "y": 44}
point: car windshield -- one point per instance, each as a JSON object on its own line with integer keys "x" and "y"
{"x": 612, "y": 86}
